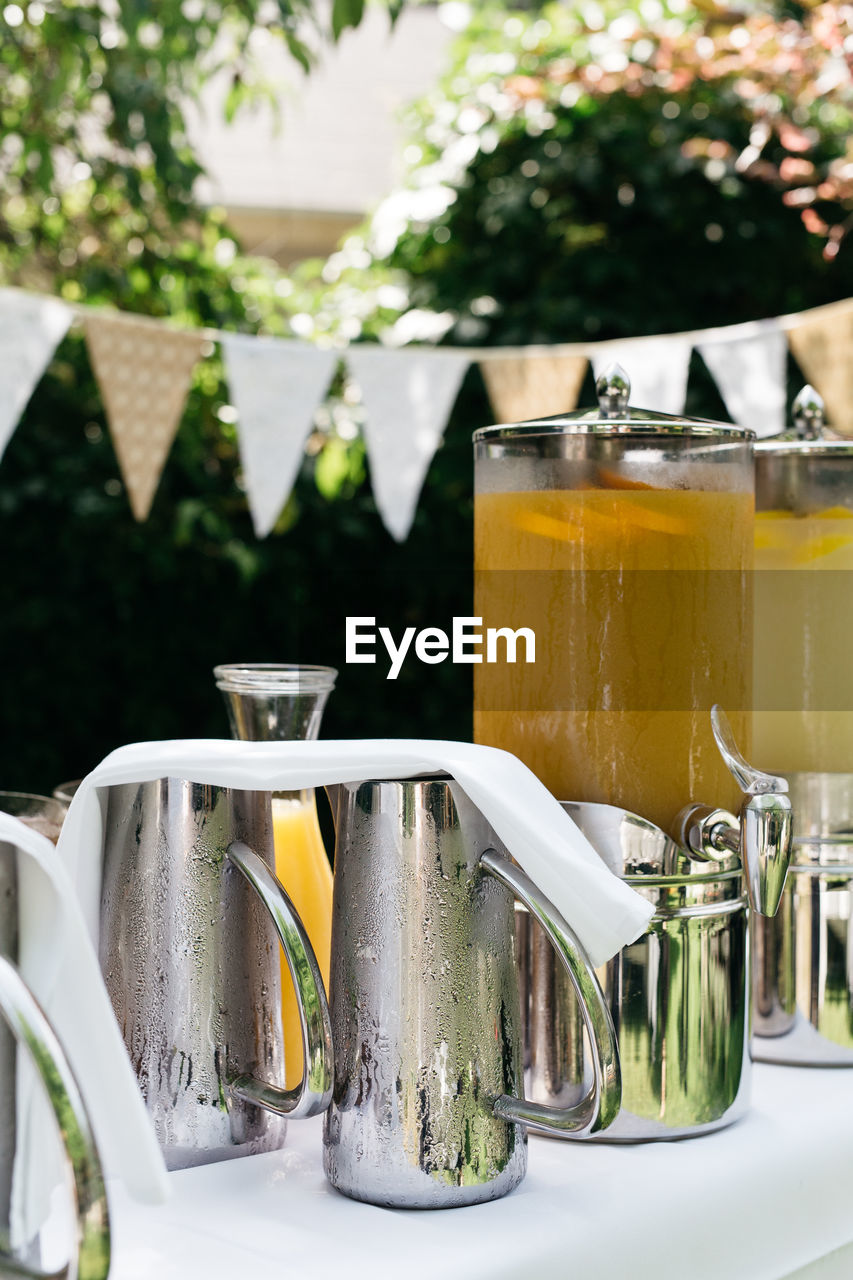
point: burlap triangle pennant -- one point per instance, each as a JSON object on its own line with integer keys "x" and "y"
{"x": 749, "y": 370}
{"x": 31, "y": 329}
{"x": 408, "y": 394}
{"x": 275, "y": 386}
{"x": 144, "y": 371}
{"x": 822, "y": 345}
{"x": 656, "y": 367}
{"x": 532, "y": 386}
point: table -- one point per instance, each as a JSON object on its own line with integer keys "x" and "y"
{"x": 769, "y": 1197}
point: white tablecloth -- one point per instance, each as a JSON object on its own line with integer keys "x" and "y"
{"x": 758, "y": 1201}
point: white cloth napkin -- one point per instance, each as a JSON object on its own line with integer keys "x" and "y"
{"x": 604, "y": 912}
{"x": 57, "y": 962}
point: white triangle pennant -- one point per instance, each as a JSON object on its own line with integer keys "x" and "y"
{"x": 276, "y": 386}
{"x": 657, "y": 368}
{"x": 31, "y": 328}
{"x": 750, "y": 372}
{"x": 408, "y": 394}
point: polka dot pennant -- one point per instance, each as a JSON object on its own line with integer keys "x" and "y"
{"x": 144, "y": 371}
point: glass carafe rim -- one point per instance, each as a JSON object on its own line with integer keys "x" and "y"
{"x": 264, "y": 678}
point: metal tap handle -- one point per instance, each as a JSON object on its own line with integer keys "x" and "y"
{"x": 32, "y": 1030}
{"x": 752, "y": 781}
{"x": 600, "y": 1106}
{"x": 314, "y": 1093}
{"x": 766, "y": 822}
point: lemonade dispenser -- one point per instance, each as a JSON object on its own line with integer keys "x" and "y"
{"x": 803, "y": 728}
{"x": 623, "y": 539}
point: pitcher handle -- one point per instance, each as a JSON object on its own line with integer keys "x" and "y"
{"x": 32, "y": 1030}
{"x": 600, "y": 1106}
{"x": 314, "y": 1093}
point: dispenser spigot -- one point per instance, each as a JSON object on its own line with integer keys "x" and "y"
{"x": 763, "y": 835}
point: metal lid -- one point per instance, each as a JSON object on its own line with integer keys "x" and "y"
{"x": 615, "y": 415}
{"x": 809, "y": 437}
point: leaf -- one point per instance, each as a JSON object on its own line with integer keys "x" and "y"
{"x": 332, "y": 469}
{"x": 346, "y": 13}
{"x": 235, "y": 98}
{"x": 299, "y": 50}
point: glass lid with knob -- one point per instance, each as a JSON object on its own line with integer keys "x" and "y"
{"x": 613, "y": 413}
{"x": 807, "y": 469}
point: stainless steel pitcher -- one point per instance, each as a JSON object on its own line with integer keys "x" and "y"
{"x": 191, "y": 918}
{"x": 428, "y": 1108}
{"x": 25, "y": 1027}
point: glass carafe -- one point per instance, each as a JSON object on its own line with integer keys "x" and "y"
{"x": 622, "y": 539}
{"x": 284, "y": 702}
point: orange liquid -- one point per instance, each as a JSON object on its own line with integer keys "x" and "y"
{"x": 303, "y": 868}
{"x": 803, "y": 624}
{"x": 640, "y": 605}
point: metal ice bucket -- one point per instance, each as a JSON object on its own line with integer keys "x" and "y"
{"x": 428, "y": 1108}
{"x": 25, "y": 1027}
{"x": 679, "y": 995}
{"x": 191, "y": 919}
{"x": 803, "y": 964}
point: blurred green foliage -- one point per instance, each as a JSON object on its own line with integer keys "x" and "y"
{"x": 587, "y": 173}
{"x": 580, "y": 173}
{"x": 110, "y": 629}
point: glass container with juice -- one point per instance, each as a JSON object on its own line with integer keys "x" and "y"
{"x": 803, "y": 728}
{"x": 269, "y": 702}
{"x": 804, "y": 598}
{"x": 622, "y": 538}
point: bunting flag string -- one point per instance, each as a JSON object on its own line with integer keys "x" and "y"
{"x": 144, "y": 373}
{"x": 749, "y": 371}
{"x": 821, "y": 345}
{"x": 408, "y": 394}
{"x": 275, "y": 386}
{"x": 31, "y": 328}
{"x": 533, "y": 386}
{"x": 657, "y": 368}
{"x": 144, "y": 368}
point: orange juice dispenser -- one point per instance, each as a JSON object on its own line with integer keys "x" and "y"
{"x": 622, "y": 539}
{"x": 803, "y": 728}
{"x": 285, "y": 702}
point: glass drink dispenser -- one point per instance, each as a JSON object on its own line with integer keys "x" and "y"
{"x": 803, "y": 728}
{"x": 622, "y": 539}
